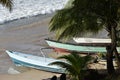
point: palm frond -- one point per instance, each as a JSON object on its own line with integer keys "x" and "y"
{"x": 72, "y": 60}
{"x": 83, "y": 17}
{"x": 58, "y": 20}
{"x": 73, "y": 63}
{"x": 7, "y": 3}
{"x": 76, "y": 21}
{"x": 68, "y": 67}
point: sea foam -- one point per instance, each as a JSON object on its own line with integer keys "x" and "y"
{"x": 27, "y": 8}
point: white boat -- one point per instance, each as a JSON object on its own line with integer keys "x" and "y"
{"x": 91, "y": 40}
{"x": 33, "y": 61}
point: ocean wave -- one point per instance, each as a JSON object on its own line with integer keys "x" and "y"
{"x": 28, "y": 8}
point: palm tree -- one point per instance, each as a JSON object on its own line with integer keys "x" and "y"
{"x": 89, "y": 16}
{"x": 74, "y": 65}
{"x": 7, "y": 3}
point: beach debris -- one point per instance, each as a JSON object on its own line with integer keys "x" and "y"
{"x": 13, "y": 71}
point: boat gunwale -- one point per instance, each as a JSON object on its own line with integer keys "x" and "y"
{"x": 82, "y": 44}
{"x": 59, "y": 42}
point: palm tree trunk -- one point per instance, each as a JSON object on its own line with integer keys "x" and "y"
{"x": 110, "y": 49}
{"x": 114, "y": 40}
{"x": 113, "y": 46}
{"x": 110, "y": 67}
{"x": 117, "y": 57}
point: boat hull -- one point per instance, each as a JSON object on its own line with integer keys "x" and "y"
{"x": 41, "y": 64}
{"x": 91, "y": 40}
{"x": 76, "y": 47}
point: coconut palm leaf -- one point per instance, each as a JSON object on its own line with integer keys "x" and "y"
{"x": 72, "y": 22}
{"x": 7, "y": 3}
{"x": 74, "y": 64}
{"x": 82, "y": 17}
{"x": 68, "y": 67}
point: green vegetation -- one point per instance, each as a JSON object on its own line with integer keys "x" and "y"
{"x": 74, "y": 64}
{"x": 76, "y": 68}
{"x": 83, "y": 17}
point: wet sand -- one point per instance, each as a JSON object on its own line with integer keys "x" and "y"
{"x": 29, "y": 75}
{"x": 27, "y": 36}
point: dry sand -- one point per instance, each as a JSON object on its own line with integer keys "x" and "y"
{"x": 28, "y": 38}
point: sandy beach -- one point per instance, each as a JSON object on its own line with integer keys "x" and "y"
{"x": 25, "y": 35}
{"x": 29, "y": 75}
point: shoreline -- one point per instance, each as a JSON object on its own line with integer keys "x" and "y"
{"x": 26, "y": 20}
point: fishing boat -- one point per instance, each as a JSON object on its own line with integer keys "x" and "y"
{"x": 91, "y": 40}
{"x": 69, "y": 47}
{"x": 33, "y": 61}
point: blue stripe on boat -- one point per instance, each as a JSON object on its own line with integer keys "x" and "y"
{"x": 36, "y": 66}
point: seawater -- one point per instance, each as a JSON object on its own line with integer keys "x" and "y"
{"x": 28, "y": 8}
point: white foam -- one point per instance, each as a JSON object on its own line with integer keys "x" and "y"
{"x": 26, "y": 8}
